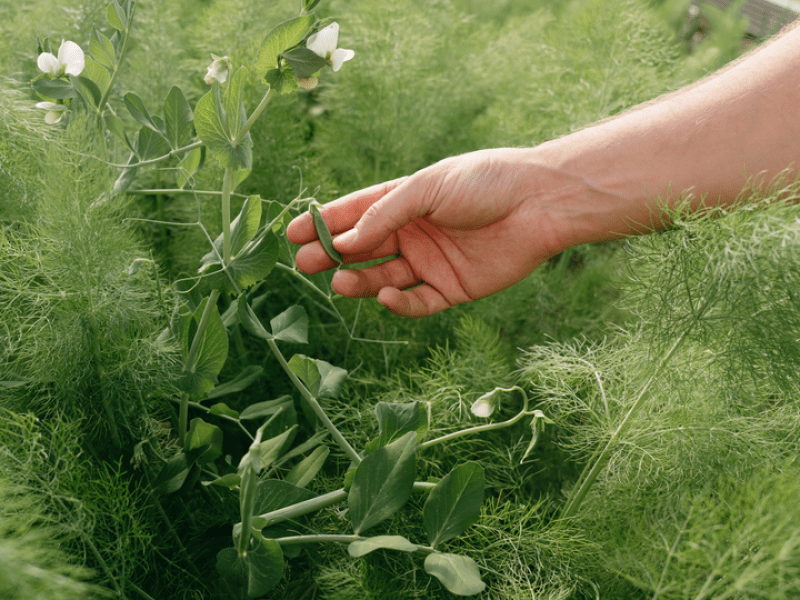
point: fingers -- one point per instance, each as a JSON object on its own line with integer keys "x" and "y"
{"x": 422, "y": 301}
{"x": 385, "y": 281}
{"x": 312, "y": 258}
{"x": 339, "y": 215}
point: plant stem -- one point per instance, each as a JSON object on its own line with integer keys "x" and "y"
{"x": 124, "y": 46}
{"x": 256, "y": 113}
{"x": 592, "y": 470}
{"x": 477, "y": 429}
{"x": 314, "y": 504}
{"x": 312, "y": 401}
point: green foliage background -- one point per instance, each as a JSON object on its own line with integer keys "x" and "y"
{"x": 698, "y": 499}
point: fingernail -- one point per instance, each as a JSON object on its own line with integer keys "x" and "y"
{"x": 346, "y": 238}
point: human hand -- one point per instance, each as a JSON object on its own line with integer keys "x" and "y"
{"x": 459, "y": 230}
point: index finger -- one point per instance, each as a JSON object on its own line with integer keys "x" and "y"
{"x": 341, "y": 214}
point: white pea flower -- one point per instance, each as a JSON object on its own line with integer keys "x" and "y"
{"x": 485, "y": 405}
{"x": 54, "y": 111}
{"x": 324, "y": 42}
{"x": 217, "y": 70}
{"x": 70, "y": 60}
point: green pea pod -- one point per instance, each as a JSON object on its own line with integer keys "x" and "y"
{"x": 324, "y": 234}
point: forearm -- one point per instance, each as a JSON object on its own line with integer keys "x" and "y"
{"x": 708, "y": 141}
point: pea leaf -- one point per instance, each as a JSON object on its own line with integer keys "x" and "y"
{"x": 259, "y": 410}
{"x": 304, "y": 62}
{"x": 220, "y": 408}
{"x": 459, "y": 574}
{"x": 204, "y": 434}
{"x": 190, "y": 164}
{"x": 291, "y": 325}
{"x": 264, "y": 565}
{"x": 241, "y": 382}
{"x": 178, "y": 117}
{"x": 102, "y": 49}
{"x": 139, "y": 111}
{"x": 116, "y": 15}
{"x": 382, "y": 483}
{"x": 396, "y": 419}
{"x": 454, "y": 504}
{"x": 388, "y": 542}
{"x": 282, "y": 80}
{"x": 247, "y": 268}
{"x": 175, "y": 471}
{"x": 282, "y": 37}
{"x": 212, "y": 351}
{"x": 274, "y": 494}
{"x": 210, "y": 121}
{"x": 150, "y": 144}
{"x": 55, "y": 89}
{"x": 304, "y": 472}
{"x": 97, "y": 73}
{"x": 321, "y": 378}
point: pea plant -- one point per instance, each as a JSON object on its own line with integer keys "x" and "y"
{"x": 383, "y": 475}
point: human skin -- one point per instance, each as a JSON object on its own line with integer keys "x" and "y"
{"x": 475, "y": 224}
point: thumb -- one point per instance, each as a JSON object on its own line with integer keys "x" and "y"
{"x": 406, "y": 202}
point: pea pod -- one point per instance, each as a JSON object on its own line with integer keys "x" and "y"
{"x": 324, "y": 234}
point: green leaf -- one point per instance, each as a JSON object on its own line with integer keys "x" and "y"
{"x": 459, "y": 574}
{"x": 150, "y": 144}
{"x": 274, "y": 494}
{"x": 204, "y": 434}
{"x": 396, "y": 419}
{"x": 249, "y": 319}
{"x": 139, "y": 111}
{"x": 230, "y": 481}
{"x": 97, "y": 73}
{"x": 211, "y": 355}
{"x": 209, "y": 121}
{"x": 175, "y": 471}
{"x": 272, "y": 449}
{"x": 304, "y": 62}
{"x": 264, "y": 566}
{"x": 259, "y": 410}
{"x": 55, "y": 89}
{"x": 87, "y": 89}
{"x": 306, "y": 369}
{"x": 454, "y": 504}
{"x": 116, "y": 16}
{"x": 387, "y": 542}
{"x": 190, "y": 164}
{"x": 304, "y": 472}
{"x": 102, "y": 49}
{"x": 234, "y": 104}
{"x": 282, "y": 80}
{"x": 247, "y": 268}
{"x": 291, "y": 325}
{"x": 321, "y": 378}
{"x": 178, "y": 117}
{"x": 115, "y": 126}
{"x": 232, "y": 568}
{"x": 220, "y": 408}
{"x": 382, "y": 483}
{"x": 282, "y": 37}
{"x": 239, "y": 383}
{"x": 246, "y": 224}
{"x": 310, "y": 4}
